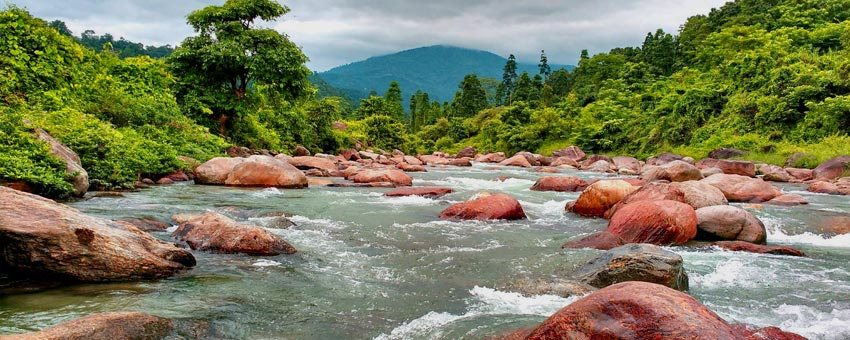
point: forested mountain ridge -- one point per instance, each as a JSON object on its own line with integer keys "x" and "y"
{"x": 433, "y": 69}
{"x": 122, "y": 47}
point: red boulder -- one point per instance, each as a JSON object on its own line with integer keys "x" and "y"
{"x": 758, "y": 248}
{"x": 492, "y": 207}
{"x": 559, "y": 183}
{"x": 601, "y": 196}
{"x": 424, "y": 191}
{"x": 655, "y": 222}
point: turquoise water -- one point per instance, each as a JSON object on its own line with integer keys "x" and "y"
{"x": 371, "y": 267}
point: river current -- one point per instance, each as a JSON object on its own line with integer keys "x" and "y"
{"x": 373, "y": 267}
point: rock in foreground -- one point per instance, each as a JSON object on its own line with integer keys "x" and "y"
{"x": 104, "y": 326}
{"x": 43, "y": 238}
{"x": 635, "y": 262}
{"x": 218, "y": 233}
{"x": 725, "y": 222}
{"x": 492, "y": 207}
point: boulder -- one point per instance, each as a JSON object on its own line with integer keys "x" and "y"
{"x": 625, "y": 162}
{"x": 739, "y": 188}
{"x": 422, "y": 191}
{"x": 562, "y": 161}
{"x": 238, "y": 151}
{"x": 78, "y": 176}
{"x": 104, "y": 326}
{"x": 265, "y": 171}
{"x": 492, "y": 207}
{"x": 517, "y": 160}
{"x": 726, "y": 153}
{"x": 433, "y": 160}
{"x": 649, "y": 192}
{"x": 600, "y": 166}
{"x": 773, "y": 173}
{"x": 39, "y": 237}
{"x": 800, "y": 174}
{"x": 590, "y": 160}
{"x": 601, "y": 196}
{"x": 674, "y": 171}
{"x": 748, "y": 332}
{"x": 403, "y": 166}
{"x": 634, "y": 310}
{"x": 387, "y": 175}
{"x": 494, "y": 157}
{"x": 216, "y": 170}
{"x": 459, "y": 162}
{"x": 725, "y": 222}
{"x": 146, "y": 224}
{"x": 758, "y": 248}
{"x": 218, "y": 233}
{"x": 301, "y": 151}
{"x": 823, "y": 187}
{"x": 164, "y": 181}
{"x": 468, "y": 151}
{"x": 731, "y": 167}
{"x": 789, "y": 200}
{"x": 558, "y": 287}
{"x": 655, "y": 222}
{"x": 602, "y": 240}
{"x": 710, "y": 171}
{"x": 700, "y": 194}
{"x": 350, "y": 155}
{"x": 634, "y": 262}
{"x": 412, "y": 160}
{"x": 665, "y": 158}
{"x": 572, "y": 152}
{"x": 308, "y": 162}
{"x": 547, "y": 169}
{"x": 559, "y": 183}
{"x": 177, "y": 176}
{"x": 833, "y": 168}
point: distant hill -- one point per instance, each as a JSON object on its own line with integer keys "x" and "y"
{"x": 434, "y": 69}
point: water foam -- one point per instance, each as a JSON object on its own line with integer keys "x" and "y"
{"x": 266, "y": 193}
{"x": 776, "y": 234}
{"x": 476, "y": 184}
{"x": 407, "y": 201}
{"x": 735, "y": 273}
{"x": 483, "y": 301}
{"x": 265, "y": 263}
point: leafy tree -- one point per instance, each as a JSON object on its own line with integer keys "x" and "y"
{"x": 60, "y": 26}
{"x": 659, "y": 51}
{"x": 525, "y": 89}
{"x": 218, "y": 66}
{"x": 470, "y": 98}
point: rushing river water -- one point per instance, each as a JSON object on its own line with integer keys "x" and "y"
{"x": 372, "y": 267}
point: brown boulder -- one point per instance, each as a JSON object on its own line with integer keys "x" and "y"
{"x": 403, "y": 166}
{"x": 78, "y": 176}
{"x": 739, "y": 188}
{"x": 602, "y": 240}
{"x": 833, "y": 168}
{"x": 218, "y": 233}
{"x": 731, "y": 167}
{"x": 547, "y": 169}
{"x": 634, "y": 310}
{"x": 238, "y": 151}
{"x": 593, "y": 159}
{"x": 655, "y": 222}
{"x": 147, "y": 224}
{"x": 423, "y": 191}
{"x": 178, "y": 176}
{"x": 664, "y": 158}
{"x": 216, "y": 170}
{"x": 387, "y": 175}
{"x": 674, "y": 171}
{"x": 823, "y": 187}
{"x": 699, "y": 194}
{"x": 649, "y": 192}
{"x": 301, "y": 151}
{"x": 494, "y": 157}
{"x": 265, "y": 171}
{"x": 433, "y": 160}
{"x": 561, "y": 161}
{"x": 726, "y": 153}
{"x": 600, "y": 166}
{"x": 625, "y": 162}
{"x": 493, "y": 207}
{"x": 517, "y": 160}
{"x": 788, "y": 200}
{"x": 412, "y": 160}
{"x": 748, "y": 332}
{"x": 773, "y": 173}
{"x": 758, "y": 248}
{"x": 572, "y": 152}
{"x": 39, "y": 237}
{"x": 104, "y": 326}
{"x": 350, "y": 155}
{"x": 164, "y": 181}
{"x": 559, "y": 183}
{"x": 308, "y": 162}
{"x": 800, "y": 174}
{"x": 634, "y": 262}
{"x": 468, "y": 151}
{"x": 601, "y": 196}
{"x": 725, "y": 222}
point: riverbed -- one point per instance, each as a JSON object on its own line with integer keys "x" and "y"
{"x": 373, "y": 267}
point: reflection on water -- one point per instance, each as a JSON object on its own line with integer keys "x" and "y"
{"x": 375, "y": 267}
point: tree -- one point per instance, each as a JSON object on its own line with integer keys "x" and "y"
{"x": 470, "y": 98}
{"x": 393, "y": 100}
{"x": 60, "y": 26}
{"x": 218, "y": 68}
{"x": 509, "y": 79}
{"x": 545, "y": 70}
{"x": 659, "y": 51}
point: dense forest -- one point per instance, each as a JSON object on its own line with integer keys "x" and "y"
{"x": 768, "y": 76}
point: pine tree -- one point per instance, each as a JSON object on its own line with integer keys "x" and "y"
{"x": 393, "y": 101}
{"x": 509, "y": 79}
{"x": 545, "y": 70}
{"x": 470, "y": 97}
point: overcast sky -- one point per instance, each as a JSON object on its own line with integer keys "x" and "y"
{"x": 335, "y": 32}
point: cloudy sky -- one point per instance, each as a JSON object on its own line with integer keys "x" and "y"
{"x": 335, "y": 32}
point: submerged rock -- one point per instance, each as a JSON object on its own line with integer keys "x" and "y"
{"x": 789, "y": 200}
{"x": 758, "y": 248}
{"x": 602, "y": 240}
{"x": 423, "y": 191}
{"x": 725, "y": 222}
{"x": 634, "y": 262}
{"x": 218, "y": 233}
{"x": 558, "y": 287}
{"x": 655, "y": 222}
{"x": 492, "y": 207}
{"x": 104, "y": 326}
{"x": 39, "y": 237}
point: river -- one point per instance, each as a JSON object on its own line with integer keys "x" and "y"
{"x": 372, "y": 267}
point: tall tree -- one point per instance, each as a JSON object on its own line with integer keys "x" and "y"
{"x": 470, "y": 97}
{"x": 394, "y": 100}
{"x": 545, "y": 70}
{"x": 217, "y": 68}
{"x": 509, "y": 80}
{"x": 659, "y": 51}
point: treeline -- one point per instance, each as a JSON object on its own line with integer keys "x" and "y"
{"x": 122, "y": 47}
{"x": 768, "y": 76}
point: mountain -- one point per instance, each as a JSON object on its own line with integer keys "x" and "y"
{"x": 434, "y": 69}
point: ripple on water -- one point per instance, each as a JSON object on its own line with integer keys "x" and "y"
{"x": 776, "y": 234}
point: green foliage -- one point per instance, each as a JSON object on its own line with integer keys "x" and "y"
{"x": 470, "y": 98}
